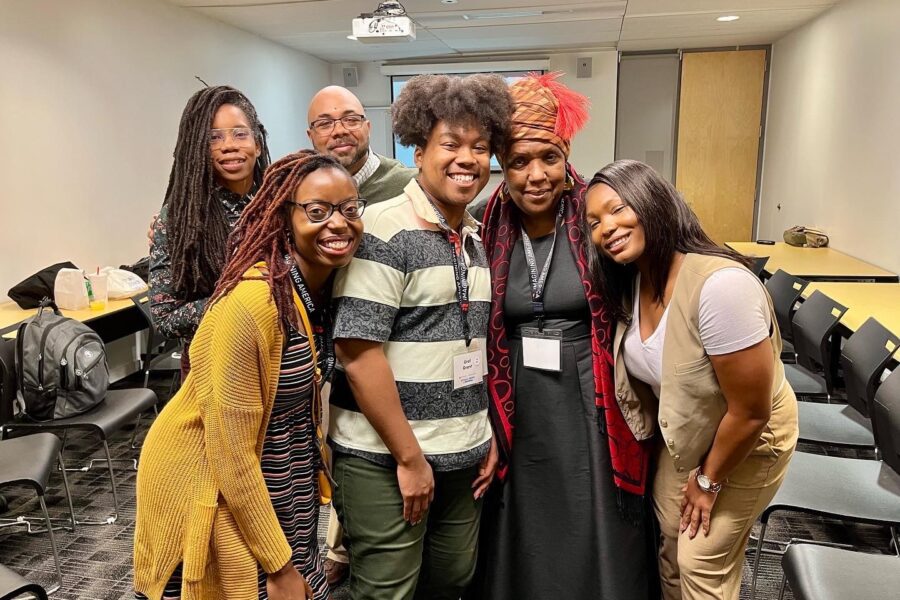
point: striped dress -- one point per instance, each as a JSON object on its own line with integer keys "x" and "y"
{"x": 290, "y": 463}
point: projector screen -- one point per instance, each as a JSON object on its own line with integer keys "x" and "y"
{"x": 405, "y": 153}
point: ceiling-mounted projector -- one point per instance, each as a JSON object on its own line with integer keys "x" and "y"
{"x": 384, "y": 29}
{"x": 388, "y": 23}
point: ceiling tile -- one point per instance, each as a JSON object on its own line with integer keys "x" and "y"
{"x": 668, "y": 7}
{"x": 320, "y": 27}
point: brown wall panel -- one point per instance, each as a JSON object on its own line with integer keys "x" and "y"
{"x": 718, "y": 138}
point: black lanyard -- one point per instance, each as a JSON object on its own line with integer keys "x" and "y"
{"x": 320, "y": 318}
{"x": 539, "y": 280}
{"x": 460, "y": 269}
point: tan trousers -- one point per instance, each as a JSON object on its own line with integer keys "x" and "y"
{"x": 335, "y": 539}
{"x": 710, "y": 566}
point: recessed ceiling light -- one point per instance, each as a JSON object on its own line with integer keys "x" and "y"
{"x": 728, "y": 18}
{"x": 449, "y": 1}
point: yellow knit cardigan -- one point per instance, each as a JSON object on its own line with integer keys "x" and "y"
{"x": 201, "y": 497}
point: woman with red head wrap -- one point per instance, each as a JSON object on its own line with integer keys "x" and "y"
{"x": 568, "y": 519}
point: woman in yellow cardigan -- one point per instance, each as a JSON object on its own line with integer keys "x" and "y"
{"x": 227, "y": 489}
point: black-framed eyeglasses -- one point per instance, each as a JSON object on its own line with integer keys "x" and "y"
{"x": 318, "y": 211}
{"x": 326, "y": 126}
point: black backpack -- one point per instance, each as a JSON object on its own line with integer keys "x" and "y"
{"x": 61, "y": 366}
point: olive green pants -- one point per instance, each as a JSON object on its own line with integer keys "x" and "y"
{"x": 393, "y": 560}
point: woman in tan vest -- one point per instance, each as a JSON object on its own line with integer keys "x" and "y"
{"x": 696, "y": 353}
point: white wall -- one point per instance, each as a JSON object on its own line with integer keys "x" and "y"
{"x": 647, "y": 101}
{"x": 593, "y": 148}
{"x": 831, "y": 155}
{"x": 91, "y": 96}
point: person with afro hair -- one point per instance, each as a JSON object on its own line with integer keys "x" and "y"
{"x": 413, "y": 447}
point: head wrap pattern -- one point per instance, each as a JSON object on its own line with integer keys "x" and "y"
{"x": 547, "y": 111}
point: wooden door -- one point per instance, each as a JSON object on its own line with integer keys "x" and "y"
{"x": 719, "y": 120}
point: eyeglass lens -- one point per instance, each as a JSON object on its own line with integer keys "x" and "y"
{"x": 322, "y": 211}
{"x": 350, "y": 123}
{"x": 240, "y": 135}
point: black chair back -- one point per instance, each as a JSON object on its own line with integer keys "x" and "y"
{"x": 813, "y": 324}
{"x": 7, "y": 379}
{"x": 785, "y": 291}
{"x": 886, "y": 420}
{"x": 863, "y": 360}
{"x": 759, "y": 263}
{"x": 154, "y": 338}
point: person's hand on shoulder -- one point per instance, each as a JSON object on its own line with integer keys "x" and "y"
{"x": 150, "y": 229}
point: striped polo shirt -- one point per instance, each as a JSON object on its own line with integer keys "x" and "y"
{"x": 400, "y": 289}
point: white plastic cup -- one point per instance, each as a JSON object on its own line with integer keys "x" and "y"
{"x": 100, "y": 289}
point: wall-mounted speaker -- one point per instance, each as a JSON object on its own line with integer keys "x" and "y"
{"x": 351, "y": 77}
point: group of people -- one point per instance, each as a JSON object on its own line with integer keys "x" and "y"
{"x": 580, "y": 396}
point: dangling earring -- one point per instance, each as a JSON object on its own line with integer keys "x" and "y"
{"x": 570, "y": 183}
{"x": 290, "y": 238}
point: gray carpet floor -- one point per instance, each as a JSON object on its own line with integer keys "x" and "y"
{"x": 96, "y": 560}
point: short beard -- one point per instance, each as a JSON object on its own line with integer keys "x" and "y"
{"x": 348, "y": 161}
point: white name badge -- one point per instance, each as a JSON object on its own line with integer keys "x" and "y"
{"x": 468, "y": 369}
{"x": 542, "y": 349}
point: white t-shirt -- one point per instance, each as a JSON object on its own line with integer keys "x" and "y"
{"x": 734, "y": 315}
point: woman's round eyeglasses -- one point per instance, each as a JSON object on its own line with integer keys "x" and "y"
{"x": 241, "y": 136}
{"x": 318, "y": 211}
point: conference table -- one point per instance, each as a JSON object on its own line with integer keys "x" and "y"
{"x": 118, "y": 319}
{"x": 814, "y": 264}
{"x": 863, "y": 300}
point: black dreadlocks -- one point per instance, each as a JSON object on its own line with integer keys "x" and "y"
{"x": 197, "y": 225}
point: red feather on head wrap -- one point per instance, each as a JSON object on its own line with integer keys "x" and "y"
{"x": 571, "y": 107}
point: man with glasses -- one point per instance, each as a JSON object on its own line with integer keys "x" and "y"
{"x": 338, "y": 127}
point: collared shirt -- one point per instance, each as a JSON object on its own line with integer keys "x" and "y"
{"x": 400, "y": 290}
{"x": 173, "y": 316}
{"x": 370, "y": 166}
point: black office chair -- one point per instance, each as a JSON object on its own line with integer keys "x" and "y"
{"x": 785, "y": 291}
{"x": 863, "y": 491}
{"x": 160, "y": 354}
{"x": 863, "y": 360}
{"x": 118, "y": 409}
{"x": 813, "y": 325}
{"x": 817, "y": 572}
{"x": 13, "y": 585}
{"x": 759, "y": 265}
{"x": 28, "y": 460}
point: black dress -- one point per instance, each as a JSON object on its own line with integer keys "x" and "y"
{"x": 553, "y": 528}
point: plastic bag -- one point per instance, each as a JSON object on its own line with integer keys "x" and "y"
{"x": 69, "y": 290}
{"x": 123, "y": 284}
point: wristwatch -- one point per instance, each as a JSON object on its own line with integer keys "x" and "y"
{"x": 706, "y": 484}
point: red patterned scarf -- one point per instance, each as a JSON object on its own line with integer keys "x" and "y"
{"x": 630, "y": 458}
